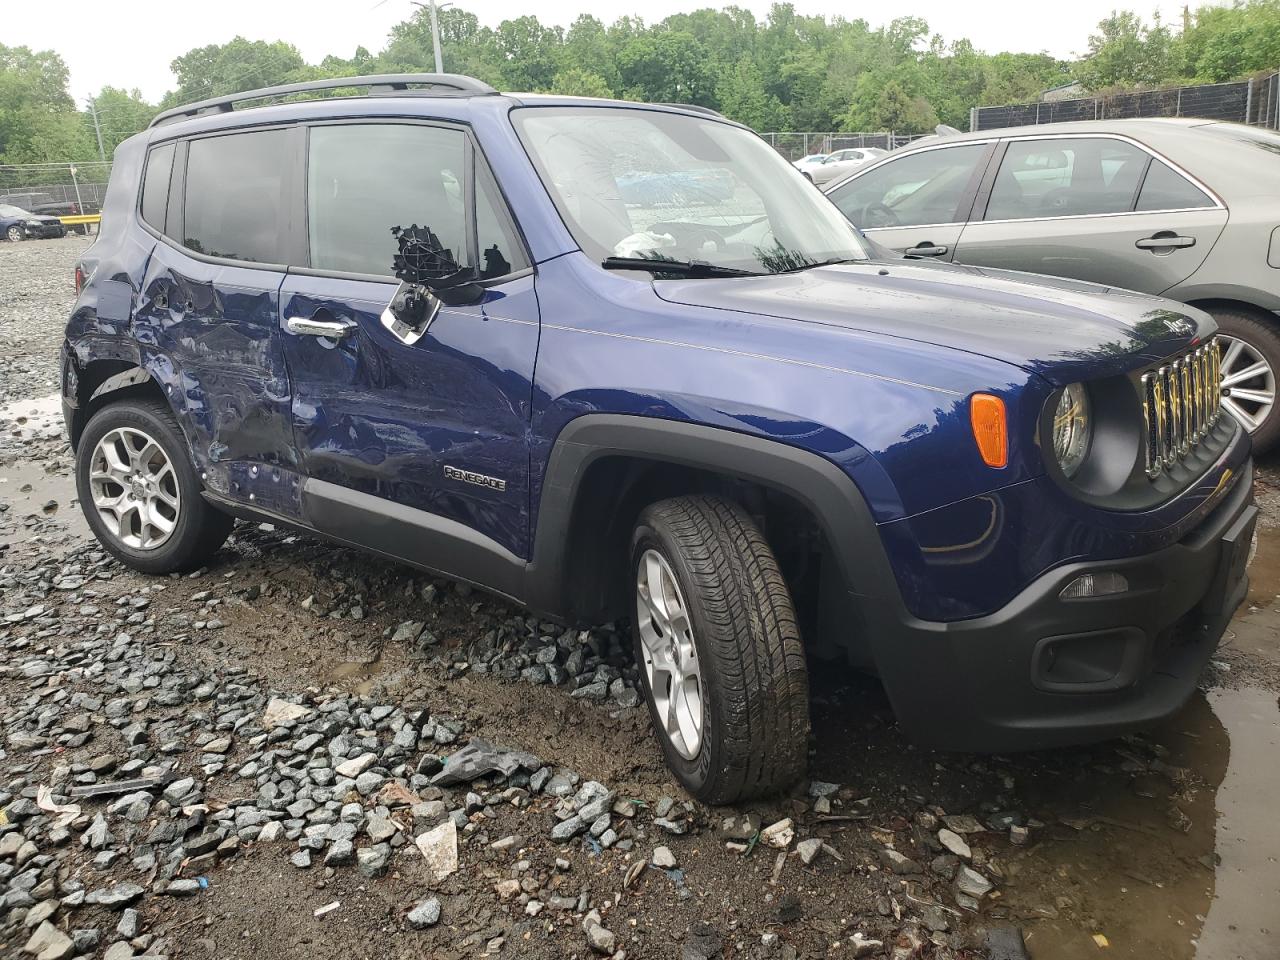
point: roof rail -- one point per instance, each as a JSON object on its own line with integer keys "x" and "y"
{"x": 447, "y": 84}
{"x": 696, "y": 108}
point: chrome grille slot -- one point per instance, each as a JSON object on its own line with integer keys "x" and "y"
{"x": 1181, "y": 402}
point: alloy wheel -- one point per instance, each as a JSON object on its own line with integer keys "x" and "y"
{"x": 670, "y": 654}
{"x": 134, "y": 488}
{"x": 15, "y": 234}
{"x": 1248, "y": 382}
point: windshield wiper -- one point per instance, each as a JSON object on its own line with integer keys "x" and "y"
{"x": 825, "y": 263}
{"x": 684, "y": 268}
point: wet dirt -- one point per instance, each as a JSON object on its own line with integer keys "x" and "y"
{"x": 36, "y": 488}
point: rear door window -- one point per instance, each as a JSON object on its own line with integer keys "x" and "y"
{"x": 930, "y": 187}
{"x": 1064, "y": 177}
{"x": 235, "y": 196}
{"x": 363, "y": 180}
{"x": 1166, "y": 189}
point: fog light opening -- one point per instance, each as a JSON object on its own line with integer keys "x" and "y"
{"x": 1094, "y": 585}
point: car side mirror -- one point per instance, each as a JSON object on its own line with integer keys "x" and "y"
{"x": 430, "y": 277}
{"x": 423, "y": 260}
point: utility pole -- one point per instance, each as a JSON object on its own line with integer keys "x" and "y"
{"x": 93, "y": 112}
{"x": 435, "y": 37}
{"x": 430, "y": 5}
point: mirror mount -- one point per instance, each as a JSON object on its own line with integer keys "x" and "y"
{"x": 430, "y": 277}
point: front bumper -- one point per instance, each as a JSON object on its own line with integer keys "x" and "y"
{"x": 1043, "y": 671}
{"x": 45, "y": 231}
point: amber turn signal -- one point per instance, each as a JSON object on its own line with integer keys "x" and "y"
{"x": 986, "y": 415}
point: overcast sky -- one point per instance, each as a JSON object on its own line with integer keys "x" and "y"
{"x": 129, "y": 43}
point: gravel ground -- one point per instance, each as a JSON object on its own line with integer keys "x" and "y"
{"x": 289, "y": 754}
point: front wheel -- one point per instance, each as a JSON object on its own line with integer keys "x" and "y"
{"x": 139, "y": 492}
{"x": 1250, "y": 359}
{"x": 722, "y": 664}
{"x": 14, "y": 233}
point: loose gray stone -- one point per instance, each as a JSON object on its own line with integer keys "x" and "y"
{"x": 425, "y": 914}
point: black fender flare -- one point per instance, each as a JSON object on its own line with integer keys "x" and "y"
{"x": 815, "y": 482}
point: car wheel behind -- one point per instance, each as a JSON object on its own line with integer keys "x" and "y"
{"x": 1250, "y": 360}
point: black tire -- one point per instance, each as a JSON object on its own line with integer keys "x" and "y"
{"x": 754, "y": 680}
{"x": 14, "y": 234}
{"x": 199, "y": 529}
{"x": 1264, "y": 338}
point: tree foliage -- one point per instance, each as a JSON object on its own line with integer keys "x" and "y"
{"x": 786, "y": 71}
{"x": 38, "y": 119}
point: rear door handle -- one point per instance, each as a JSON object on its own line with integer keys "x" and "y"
{"x": 927, "y": 250}
{"x": 1165, "y": 240}
{"x": 322, "y": 323}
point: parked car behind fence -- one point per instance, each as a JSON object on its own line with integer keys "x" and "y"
{"x": 18, "y": 224}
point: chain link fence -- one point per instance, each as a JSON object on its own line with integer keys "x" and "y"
{"x": 1254, "y": 101}
{"x": 32, "y": 184}
{"x": 793, "y": 146}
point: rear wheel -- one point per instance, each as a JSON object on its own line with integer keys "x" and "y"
{"x": 139, "y": 492}
{"x": 722, "y": 664}
{"x": 1250, "y": 361}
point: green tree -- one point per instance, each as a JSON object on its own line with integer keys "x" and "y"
{"x": 121, "y": 114}
{"x": 577, "y": 82}
{"x": 236, "y": 66}
{"x": 743, "y": 97}
{"x": 887, "y": 105}
{"x": 38, "y": 119}
{"x": 1127, "y": 52}
{"x": 1224, "y": 43}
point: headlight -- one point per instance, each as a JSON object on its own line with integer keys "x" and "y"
{"x": 34, "y": 223}
{"x": 1072, "y": 428}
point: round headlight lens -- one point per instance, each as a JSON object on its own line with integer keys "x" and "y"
{"x": 1072, "y": 427}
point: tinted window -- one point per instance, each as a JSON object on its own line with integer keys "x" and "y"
{"x": 235, "y": 196}
{"x": 155, "y": 185}
{"x": 913, "y": 190}
{"x": 1066, "y": 177}
{"x": 365, "y": 179}
{"x": 1165, "y": 189}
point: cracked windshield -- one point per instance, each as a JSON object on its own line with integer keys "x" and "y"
{"x": 636, "y": 184}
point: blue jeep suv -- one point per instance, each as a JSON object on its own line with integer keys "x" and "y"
{"x": 432, "y": 321}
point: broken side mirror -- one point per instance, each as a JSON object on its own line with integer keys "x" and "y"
{"x": 430, "y": 276}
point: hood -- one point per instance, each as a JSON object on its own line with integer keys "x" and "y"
{"x": 1063, "y": 330}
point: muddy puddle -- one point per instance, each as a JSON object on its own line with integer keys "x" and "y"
{"x": 37, "y": 490}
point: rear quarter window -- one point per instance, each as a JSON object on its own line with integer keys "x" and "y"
{"x": 1166, "y": 189}
{"x": 155, "y": 185}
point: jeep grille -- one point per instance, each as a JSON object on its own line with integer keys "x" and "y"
{"x": 1181, "y": 402}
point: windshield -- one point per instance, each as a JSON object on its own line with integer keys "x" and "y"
{"x": 665, "y": 186}
{"x": 9, "y": 210}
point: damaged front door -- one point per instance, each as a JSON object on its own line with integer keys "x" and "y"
{"x": 412, "y": 431}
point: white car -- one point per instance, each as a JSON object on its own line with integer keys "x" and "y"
{"x": 812, "y": 160}
{"x": 838, "y": 165}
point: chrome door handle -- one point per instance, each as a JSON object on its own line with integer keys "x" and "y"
{"x": 1165, "y": 241}
{"x": 926, "y": 250}
{"x": 317, "y": 325}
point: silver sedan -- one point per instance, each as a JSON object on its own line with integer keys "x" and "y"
{"x": 1189, "y": 209}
